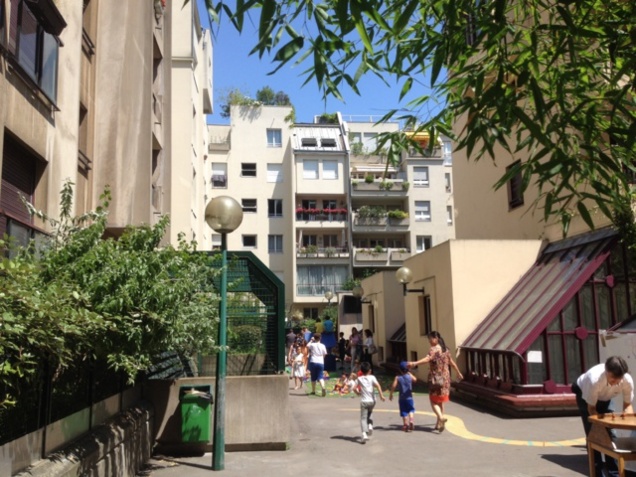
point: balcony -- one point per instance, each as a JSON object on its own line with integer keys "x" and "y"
{"x": 380, "y": 257}
{"x": 386, "y": 188}
{"x": 324, "y": 253}
{"x": 321, "y": 215}
{"x": 380, "y": 224}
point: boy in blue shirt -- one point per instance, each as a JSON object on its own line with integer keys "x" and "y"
{"x": 404, "y": 384}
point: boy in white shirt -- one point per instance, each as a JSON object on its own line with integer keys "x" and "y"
{"x": 364, "y": 388}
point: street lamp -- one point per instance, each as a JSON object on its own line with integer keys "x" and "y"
{"x": 223, "y": 214}
{"x": 328, "y": 297}
{"x": 404, "y": 275}
{"x": 358, "y": 292}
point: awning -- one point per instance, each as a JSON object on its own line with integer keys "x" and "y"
{"x": 399, "y": 336}
{"x": 537, "y": 298}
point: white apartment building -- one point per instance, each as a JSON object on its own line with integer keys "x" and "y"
{"x": 318, "y": 207}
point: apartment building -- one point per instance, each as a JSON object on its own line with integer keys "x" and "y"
{"x": 319, "y": 207}
{"x": 85, "y": 96}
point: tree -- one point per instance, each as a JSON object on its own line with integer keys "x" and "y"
{"x": 550, "y": 81}
{"x": 81, "y": 297}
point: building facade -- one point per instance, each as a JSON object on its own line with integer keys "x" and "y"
{"x": 321, "y": 206}
{"x": 85, "y": 96}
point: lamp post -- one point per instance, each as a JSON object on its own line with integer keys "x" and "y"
{"x": 223, "y": 214}
{"x": 404, "y": 275}
{"x": 328, "y": 297}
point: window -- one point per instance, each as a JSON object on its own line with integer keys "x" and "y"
{"x": 422, "y": 211}
{"x": 449, "y": 214}
{"x": 420, "y": 176}
{"x": 423, "y": 242}
{"x": 275, "y": 243}
{"x": 315, "y": 280}
{"x": 329, "y": 169}
{"x": 249, "y": 241}
{"x": 310, "y": 169}
{"x": 426, "y": 319}
{"x": 448, "y": 153}
{"x": 310, "y": 313}
{"x": 275, "y": 207}
{"x": 447, "y": 181}
{"x": 330, "y": 204}
{"x": 308, "y": 142}
{"x": 369, "y": 142}
{"x": 310, "y": 240}
{"x": 328, "y": 142}
{"x": 248, "y": 169}
{"x": 33, "y": 44}
{"x": 274, "y": 173}
{"x": 515, "y": 185}
{"x": 330, "y": 241}
{"x": 274, "y": 138}
{"x": 219, "y": 175}
{"x": 249, "y": 205}
{"x": 216, "y": 241}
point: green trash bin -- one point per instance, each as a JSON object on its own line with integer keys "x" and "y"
{"x": 196, "y": 402}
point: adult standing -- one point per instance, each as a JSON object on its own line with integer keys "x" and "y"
{"x": 355, "y": 344}
{"x": 290, "y": 340}
{"x": 594, "y": 391}
{"x": 439, "y": 362}
{"x": 317, "y": 353}
{"x": 368, "y": 348}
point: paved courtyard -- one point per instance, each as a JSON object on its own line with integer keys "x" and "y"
{"x": 325, "y": 441}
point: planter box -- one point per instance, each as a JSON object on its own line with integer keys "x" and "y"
{"x": 400, "y": 256}
{"x": 371, "y": 221}
{"x": 372, "y": 257}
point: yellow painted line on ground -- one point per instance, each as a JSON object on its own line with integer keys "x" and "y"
{"x": 456, "y": 426}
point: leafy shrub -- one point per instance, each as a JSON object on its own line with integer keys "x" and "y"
{"x": 245, "y": 339}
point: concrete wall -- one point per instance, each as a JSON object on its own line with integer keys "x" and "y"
{"x": 246, "y": 425}
{"x": 117, "y": 448}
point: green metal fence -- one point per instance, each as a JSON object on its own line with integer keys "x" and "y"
{"x": 255, "y": 317}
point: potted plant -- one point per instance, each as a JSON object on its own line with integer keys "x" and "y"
{"x": 397, "y": 214}
{"x": 369, "y": 178}
{"x": 386, "y": 185}
{"x": 330, "y": 251}
{"x": 406, "y": 185}
{"x": 312, "y": 249}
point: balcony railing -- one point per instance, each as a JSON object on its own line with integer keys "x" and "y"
{"x": 324, "y": 252}
{"x": 390, "y": 186}
{"x": 384, "y": 257}
{"x": 312, "y": 215}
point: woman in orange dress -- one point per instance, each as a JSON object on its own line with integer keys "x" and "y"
{"x": 439, "y": 376}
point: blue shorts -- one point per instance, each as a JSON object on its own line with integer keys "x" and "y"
{"x": 316, "y": 370}
{"x": 407, "y": 406}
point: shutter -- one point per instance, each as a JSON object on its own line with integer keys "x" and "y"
{"x": 13, "y": 25}
{"x": 18, "y": 177}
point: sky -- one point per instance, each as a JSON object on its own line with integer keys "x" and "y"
{"x": 233, "y": 67}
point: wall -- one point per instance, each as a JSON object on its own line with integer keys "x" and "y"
{"x": 247, "y": 427}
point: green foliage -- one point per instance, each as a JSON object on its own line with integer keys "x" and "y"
{"x": 397, "y": 214}
{"x": 372, "y": 212}
{"x": 369, "y": 178}
{"x": 330, "y": 312}
{"x": 549, "y": 81}
{"x": 81, "y": 297}
{"x": 245, "y": 339}
{"x": 328, "y": 118}
{"x": 235, "y": 97}
{"x": 268, "y": 97}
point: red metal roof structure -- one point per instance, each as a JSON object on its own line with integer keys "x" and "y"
{"x": 561, "y": 270}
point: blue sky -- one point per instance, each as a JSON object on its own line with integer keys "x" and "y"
{"x": 233, "y": 67}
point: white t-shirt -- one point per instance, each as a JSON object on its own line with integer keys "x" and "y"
{"x": 367, "y": 383}
{"x": 317, "y": 352}
{"x": 594, "y": 386}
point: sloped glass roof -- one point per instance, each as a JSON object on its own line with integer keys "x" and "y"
{"x": 536, "y": 299}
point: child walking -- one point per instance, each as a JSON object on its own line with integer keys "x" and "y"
{"x": 404, "y": 384}
{"x": 364, "y": 388}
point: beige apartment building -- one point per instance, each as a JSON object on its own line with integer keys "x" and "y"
{"x": 318, "y": 207}
{"x": 95, "y": 107}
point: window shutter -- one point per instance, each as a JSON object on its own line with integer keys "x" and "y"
{"x": 18, "y": 177}
{"x": 13, "y": 26}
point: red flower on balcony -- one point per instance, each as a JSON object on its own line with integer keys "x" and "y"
{"x": 299, "y": 210}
